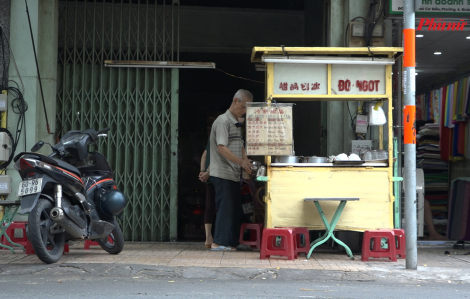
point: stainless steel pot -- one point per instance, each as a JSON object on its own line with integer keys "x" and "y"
{"x": 314, "y": 159}
{"x": 287, "y": 159}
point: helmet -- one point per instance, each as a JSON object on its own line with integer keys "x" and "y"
{"x": 113, "y": 202}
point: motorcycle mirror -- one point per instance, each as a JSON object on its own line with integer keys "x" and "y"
{"x": 37, "y": 146}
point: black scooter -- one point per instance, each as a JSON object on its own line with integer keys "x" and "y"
{"x": 69, "y": 195}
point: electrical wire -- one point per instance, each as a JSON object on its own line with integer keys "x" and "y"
{"x": 19, "y": 106}
{"x": 353, "y": 120}
{"x": 16, "y": 67}
{"x": 37, "y": 68}
{"x": 372, "y": 19}
{"x": 239, "y": 77}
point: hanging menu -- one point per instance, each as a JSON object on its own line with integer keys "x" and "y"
{"x": 269, "y": 129}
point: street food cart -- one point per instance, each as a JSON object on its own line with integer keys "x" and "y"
{"x": 329, "y": 74}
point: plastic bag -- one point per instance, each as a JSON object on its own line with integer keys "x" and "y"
{"x": 376, "y": 114}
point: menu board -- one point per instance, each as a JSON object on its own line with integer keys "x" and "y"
{"x": 269, "y": 129}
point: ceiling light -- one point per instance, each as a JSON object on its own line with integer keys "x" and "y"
{"x": 437, "y": 53}
{"x": 416, "y": 74}
{"x": 330, "y": 60}
{"x": 419, "y": 35}
{"x": 468, "y": 37}
{"x": 159, "y": 64}
{"x": 260, "y": 67}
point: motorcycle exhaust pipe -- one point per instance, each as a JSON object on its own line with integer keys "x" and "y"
{"x": 58, "y": 216}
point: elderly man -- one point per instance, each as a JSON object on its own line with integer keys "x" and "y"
{"x": 227, "y": 158}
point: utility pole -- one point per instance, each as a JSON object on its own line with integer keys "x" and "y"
{"x": 409, "y": 120}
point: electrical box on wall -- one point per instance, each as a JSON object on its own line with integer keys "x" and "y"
{"x": 358, "y": 145}
{"x": 5, "y": 146}
{"x": 5, "y": 184}
{"x": 357, "y": 35}
{"x": 3, "y": 102}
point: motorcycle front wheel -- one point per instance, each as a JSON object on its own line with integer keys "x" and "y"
{"x": 48, "y": 247}
{"x": 114, "y": 243}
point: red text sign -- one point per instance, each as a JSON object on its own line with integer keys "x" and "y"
{"x": 440, "y": 25}
{"x": 360, "y": 85}
{"x": 299, "y": 86}
{"x": 355, "y": 79}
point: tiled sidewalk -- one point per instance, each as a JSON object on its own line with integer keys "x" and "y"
{"x": 195, "y": 254}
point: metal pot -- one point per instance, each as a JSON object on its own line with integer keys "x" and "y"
{"x": 286, "y": 159}
{"x": 314, "y": 159}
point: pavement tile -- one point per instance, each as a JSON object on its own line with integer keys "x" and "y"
{"x": 195, "y": 254}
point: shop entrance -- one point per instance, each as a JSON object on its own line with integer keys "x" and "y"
{"x": 225, "y": 33}
{"x": 204, "y": 95}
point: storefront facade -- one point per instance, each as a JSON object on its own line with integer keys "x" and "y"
{"x": 159, "y": 117}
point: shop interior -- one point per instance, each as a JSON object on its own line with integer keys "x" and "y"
{"x": 204, "y": 95}
{"x": 223, "y": 33}
{"x": 442, "y": 113}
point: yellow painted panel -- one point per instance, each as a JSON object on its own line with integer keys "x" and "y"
{"x": 289, "y": 188}
{"x": 320, "y": 97}
{"x": 257, "y": 52}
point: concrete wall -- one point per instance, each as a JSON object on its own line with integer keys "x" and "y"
{"x": 224, "y": 30}
{"x": 44, "y": 16}
{"x": 339, "y": 131}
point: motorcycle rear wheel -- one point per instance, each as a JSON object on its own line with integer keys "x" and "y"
{"x": 48, "y": 247}
{"x": 117, "y": 239}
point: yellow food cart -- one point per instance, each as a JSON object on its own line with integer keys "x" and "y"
{"x": 330, "y": 74}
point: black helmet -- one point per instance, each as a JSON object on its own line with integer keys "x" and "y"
{"x": 113, "y": 202}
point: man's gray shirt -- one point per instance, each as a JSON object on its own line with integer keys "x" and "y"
{"x": 225, "y": 132}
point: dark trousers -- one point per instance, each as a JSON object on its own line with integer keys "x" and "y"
{"x": 229, "y": 212}
{"x": 209, "y": 214}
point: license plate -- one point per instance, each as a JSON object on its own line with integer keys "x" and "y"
{"x": 30, "y": 187}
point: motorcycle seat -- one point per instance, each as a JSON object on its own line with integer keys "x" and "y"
{"x": 50, "y": 160}
{"x": 67, "y": 166}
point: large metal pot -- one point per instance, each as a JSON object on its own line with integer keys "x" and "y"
{"x": 314, "y": 159}
{"x": 287, "y": 159}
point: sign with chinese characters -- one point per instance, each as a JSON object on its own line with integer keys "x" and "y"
{"x": 292, "y": 78}
{"x": 269, "y": 129}
{"x": 354, "y": 79}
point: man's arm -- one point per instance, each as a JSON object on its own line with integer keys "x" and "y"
{"x": 244, "y": 162}
{"x": 244, "y": 153}
{"x": 203, "y": 161}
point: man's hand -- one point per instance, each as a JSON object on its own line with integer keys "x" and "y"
{"x": 246, "y": 164}
{"x": 204, "y": 176}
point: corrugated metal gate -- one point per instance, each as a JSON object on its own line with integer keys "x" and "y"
{"x": 139, "y": 105}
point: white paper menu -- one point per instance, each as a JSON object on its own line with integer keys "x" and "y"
{"x": 269, "y": 129}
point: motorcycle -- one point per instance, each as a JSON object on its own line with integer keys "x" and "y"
{"x": 70, "y": 195}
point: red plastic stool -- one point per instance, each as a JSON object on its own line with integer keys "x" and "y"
{"x": 287, "y": 246}
{"x": 11, "y": 234}
{"x": 256, "y": 230}
{"x": 89, "y": 243}
{"x": 298, "y": 232}
{"x": 377, "y": 251}
{"x": 400, "y": 241}
{"x": 30, "y": 250}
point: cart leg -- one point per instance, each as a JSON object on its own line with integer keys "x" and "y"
{"x": 329, "y": 229}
